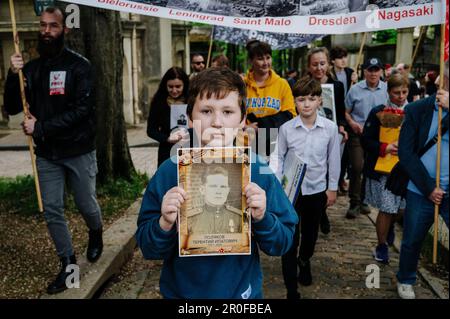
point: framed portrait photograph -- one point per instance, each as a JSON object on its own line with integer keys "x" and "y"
{"x": 328, "y": 108}
{"x": 178, "y": 116}
{"x": 215, "y": 219}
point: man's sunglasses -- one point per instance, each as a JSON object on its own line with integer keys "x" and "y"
{"x": 198, "y": 63}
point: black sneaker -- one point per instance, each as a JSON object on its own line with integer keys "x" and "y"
{"x": 95, "y": 245}
{"x": 325, "y": 224}
{"x": 365, "y": 209}
{"x": 304, "y": 276}
{"x": 353, "y": 212}
{"x": 381, "y": 254}
{"x": 59, "y": 284}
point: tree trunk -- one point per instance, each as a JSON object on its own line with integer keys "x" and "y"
{"x": 102, "y": 45}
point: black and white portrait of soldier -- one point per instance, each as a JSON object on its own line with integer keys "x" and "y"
{"x": 311, "y": 7}
{"x": 243, "y": 8}
{"x": 278, "y": 41}
{"x": 357, "y": 5}
{"x": 182, "y": 120}
{"x": 398, "y": 3}
{"x": 160, "y": 3}
{"x": 216, "y": 216}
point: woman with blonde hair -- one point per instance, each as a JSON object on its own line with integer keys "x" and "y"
{"x": 318, "y": 67}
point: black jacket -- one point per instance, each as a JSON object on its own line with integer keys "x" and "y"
{"x": 65, "y": 124}
{"x": 413, "y": 90}
{"x": 370, "y": 141}
{"x": 348, "y": 72}
{"x": 270, "y": 121}
{"x": 413, "y": 136}
{"x": 158, "y": 128}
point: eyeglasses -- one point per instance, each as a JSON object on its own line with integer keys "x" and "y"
{"x": 198, "y": 63}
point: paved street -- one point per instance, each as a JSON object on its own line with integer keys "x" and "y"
{"x": 338, "y": 266}
{"x": 340, "y": 261}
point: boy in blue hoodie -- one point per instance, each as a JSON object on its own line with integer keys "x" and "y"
{"x": 217, "y": 101}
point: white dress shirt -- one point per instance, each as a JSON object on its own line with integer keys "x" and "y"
{"x": 318, "y": 147}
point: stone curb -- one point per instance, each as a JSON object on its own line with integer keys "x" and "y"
{"x": 431, "y": 281}
{"x": 119, "y": 244}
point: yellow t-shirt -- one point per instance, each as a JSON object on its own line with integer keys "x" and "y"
{"x": 273, "y": 97}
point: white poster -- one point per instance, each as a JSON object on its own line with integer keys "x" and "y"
{"x": 328, "y": 109}
{"x": 294, "y": 171}
{"x": 178, "y": 116}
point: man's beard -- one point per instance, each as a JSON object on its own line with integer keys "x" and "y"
{"x": 50, "y": 48}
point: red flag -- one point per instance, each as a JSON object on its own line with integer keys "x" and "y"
{"x": 446, "y": 34}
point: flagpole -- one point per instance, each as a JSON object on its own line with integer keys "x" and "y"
{"x": 210, "y": 47}
{"x": 423, "y": 31}
{"x": 439, "y": 139}
{"x": 358, "y": 58}
{"x": 25, "y": 105}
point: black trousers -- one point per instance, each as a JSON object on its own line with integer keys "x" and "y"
{"x": 345, "y": 164}
{"x": 310, "y": 209}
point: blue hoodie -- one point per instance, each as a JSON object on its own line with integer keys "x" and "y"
{"x": 222, "y": 277}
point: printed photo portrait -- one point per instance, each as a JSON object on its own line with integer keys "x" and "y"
{"x": 213, "y": 220}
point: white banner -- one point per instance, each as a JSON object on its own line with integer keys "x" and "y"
{"x": 288, "y": 16}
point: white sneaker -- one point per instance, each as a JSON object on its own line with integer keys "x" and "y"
{"x": 405, "y": 291}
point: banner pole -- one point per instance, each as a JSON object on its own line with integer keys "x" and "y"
{"x": 423, "y": 31}
{"x": 25, "y": 105}
{"x": 358, "y": 58}
{"x": 438, "y": 144}
{"x": 210, "y": 47}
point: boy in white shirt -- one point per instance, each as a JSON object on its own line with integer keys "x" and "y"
{"x": 315, "y": 140}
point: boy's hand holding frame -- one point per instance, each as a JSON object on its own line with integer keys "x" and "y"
{"x": 170, "y": 207}
{"x": 256, "y": 200}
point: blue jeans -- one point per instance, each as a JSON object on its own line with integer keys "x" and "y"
{"x": 418, "y": 218}
{"x": 80, "y": 173}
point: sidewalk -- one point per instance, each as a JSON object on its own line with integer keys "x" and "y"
{"x": 15, "y": 158}
{"x": 15, "y": 140}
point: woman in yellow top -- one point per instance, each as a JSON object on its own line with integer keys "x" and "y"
{"x": 269, "y": 97}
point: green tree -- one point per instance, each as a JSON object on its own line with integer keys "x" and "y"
{"x": 100, "y": 40}
{"x": 385, "y": 36}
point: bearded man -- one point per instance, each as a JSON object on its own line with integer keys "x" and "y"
{"x": 61, "y": 120}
